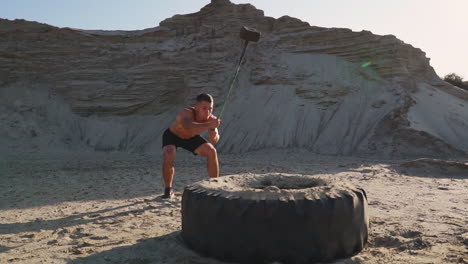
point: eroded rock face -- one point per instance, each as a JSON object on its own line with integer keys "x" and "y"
{"x": 330, "y": 90}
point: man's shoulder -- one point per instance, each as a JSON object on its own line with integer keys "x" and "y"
{"x": 186, "y": 112}
{"x": 189, "y": 109}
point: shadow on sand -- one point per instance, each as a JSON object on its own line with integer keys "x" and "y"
{"x": 85, "y": 218}
{"x": 433, "y": 168}
{"x": 169, "y": 249}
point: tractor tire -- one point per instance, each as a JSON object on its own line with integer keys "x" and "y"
{"x": 267, "y": 218}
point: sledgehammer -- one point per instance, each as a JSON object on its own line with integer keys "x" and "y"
{"x": 247, "y": 34}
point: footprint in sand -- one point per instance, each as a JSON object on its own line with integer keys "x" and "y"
{"x": 28, "y": 236}
{"x": 415, "y": 244}
{"x": 98, "y": 237}
{"x": 65, "y": 233}
{"x": 83, "y": 244}
{"x": 387, "y": 241}
{"x": 410, "y": 234}
{"x": 52, "y": 242}
{"x": 91, "y": 216}
{"x": 402, "y": 240}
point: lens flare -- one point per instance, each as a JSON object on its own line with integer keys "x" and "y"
{"x": 366, "y": 64}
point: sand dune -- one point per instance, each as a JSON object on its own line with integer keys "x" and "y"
{"x": 331, "y": 91}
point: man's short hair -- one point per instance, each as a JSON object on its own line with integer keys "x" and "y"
{"x": 205, "y": 97}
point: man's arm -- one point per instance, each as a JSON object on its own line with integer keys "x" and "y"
{"x": 213, "y": 135}
{"x": 186, "y": 119}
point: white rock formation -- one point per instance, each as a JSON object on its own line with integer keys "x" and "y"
{"x": 332, "y": 91}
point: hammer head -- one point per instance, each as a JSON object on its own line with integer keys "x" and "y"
{"x": 249, "y": 34}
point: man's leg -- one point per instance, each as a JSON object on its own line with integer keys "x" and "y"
{"x": 207, "y": 150}
{"x": 169, "y": 153}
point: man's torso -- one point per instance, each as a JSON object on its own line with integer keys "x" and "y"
{"x": 177, "y": 127}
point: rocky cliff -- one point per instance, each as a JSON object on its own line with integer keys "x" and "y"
{"x": 330, "y": 90}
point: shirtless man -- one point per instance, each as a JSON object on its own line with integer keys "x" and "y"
{"x": 184, "y": 133}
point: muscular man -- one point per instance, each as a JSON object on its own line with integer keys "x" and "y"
{"x": 184, "y": 133}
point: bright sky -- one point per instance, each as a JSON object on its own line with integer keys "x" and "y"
{"x": 439, "y": 28}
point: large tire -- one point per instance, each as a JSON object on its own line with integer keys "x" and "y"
{"x": 261, "y": 219}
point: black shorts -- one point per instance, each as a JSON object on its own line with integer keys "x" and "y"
{"x": 190, "y": 144}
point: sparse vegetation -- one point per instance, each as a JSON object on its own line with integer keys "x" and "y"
{"x": 456, "y": 80}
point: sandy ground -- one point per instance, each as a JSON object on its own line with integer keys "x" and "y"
{"x": 104, "y": 208}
